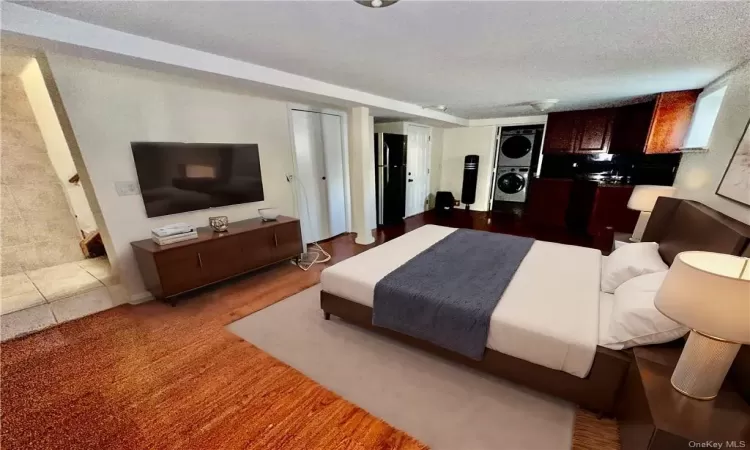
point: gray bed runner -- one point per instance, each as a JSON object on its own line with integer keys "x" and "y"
{"x": 446, "y": 294}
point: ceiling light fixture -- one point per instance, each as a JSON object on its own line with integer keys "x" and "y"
{"x": 544, "y": 105}
{"x": 438, "y": 107}
{"x": 376, "y": 3}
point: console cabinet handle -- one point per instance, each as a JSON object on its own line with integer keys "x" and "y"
{"x": 275, "y": 240}
{"x": 200, "y": 261}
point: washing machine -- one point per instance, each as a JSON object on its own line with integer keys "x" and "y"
{"x": 512, "y": 184}
{"x": 515, "y": 147}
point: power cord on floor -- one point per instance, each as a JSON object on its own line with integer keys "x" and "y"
{"x": 307, "y": 259}
{"x": 304, "y": 262}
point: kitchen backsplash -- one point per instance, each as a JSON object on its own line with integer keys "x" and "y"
{"x": 627, "y": 169}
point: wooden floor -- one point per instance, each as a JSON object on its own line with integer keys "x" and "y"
{"x": 153, "y": 376}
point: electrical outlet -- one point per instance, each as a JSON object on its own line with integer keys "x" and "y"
{"x": 124, "y": 188}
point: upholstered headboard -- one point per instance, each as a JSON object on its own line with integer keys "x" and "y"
{"x": 683, "y": 225}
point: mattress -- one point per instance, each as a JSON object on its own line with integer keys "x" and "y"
{"x": 548, "y": 315}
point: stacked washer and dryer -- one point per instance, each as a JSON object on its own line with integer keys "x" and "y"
{"x": 514, "y": 158}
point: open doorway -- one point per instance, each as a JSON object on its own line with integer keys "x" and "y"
{"x": 53, "y": 263}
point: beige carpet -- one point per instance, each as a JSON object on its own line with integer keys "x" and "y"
{"x": 441, "y": 403}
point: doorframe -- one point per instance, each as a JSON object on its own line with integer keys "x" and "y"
{"x": 429, "y": 156}
{"x": 296, "y": 193}
{"x": 493, "y": 172}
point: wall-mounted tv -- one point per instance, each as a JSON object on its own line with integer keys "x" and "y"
{"x": 177, "y": 177}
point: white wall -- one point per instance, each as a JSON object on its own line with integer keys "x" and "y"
{"x": 700, "y": 174}
{"x": 110, "y": 105}
{"x": 57, "y": 146}
{"x": 459, "y": 142}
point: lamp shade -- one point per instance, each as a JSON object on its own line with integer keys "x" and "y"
{"x": 710, "y": 293}
{"x": 644, "y": 196}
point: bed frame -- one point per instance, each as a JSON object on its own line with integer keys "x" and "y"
{"x": 677, "y": 225}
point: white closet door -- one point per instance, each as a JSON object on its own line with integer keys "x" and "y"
{"x": 311, "y": 171}
{"x": 334, "y": 162}
{"x": 417, "y": 169}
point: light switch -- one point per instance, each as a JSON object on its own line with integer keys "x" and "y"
{"x": 124, "y": 188}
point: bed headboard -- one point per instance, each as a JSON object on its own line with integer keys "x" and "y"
{"x": 682, "y": 225}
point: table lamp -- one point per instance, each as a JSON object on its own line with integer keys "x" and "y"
{"x": 710, "y": 294}
{"x": 643, "y": 199}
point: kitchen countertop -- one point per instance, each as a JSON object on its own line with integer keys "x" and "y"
{"x": 601, "y": 182}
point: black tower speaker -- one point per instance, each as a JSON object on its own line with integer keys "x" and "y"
{"x": 469, "y": 188}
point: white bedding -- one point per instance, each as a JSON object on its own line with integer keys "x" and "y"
{"x": 548, "y": 315}
{"x": 606, "y": 304}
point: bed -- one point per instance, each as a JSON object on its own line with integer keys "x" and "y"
{"x": 544, "y": 333}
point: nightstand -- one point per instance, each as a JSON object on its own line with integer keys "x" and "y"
{"x": 653, "y": 415}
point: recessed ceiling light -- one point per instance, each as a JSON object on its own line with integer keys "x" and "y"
{"x": 376, "y": 3}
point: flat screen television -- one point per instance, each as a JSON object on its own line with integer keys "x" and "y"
{"x": 177, "y": 177}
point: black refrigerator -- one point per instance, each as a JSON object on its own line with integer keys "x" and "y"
{"x": 390, "y": 177}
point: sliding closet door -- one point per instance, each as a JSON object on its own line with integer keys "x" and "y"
{"x": 417, "y": 169}
{"x": 312, "y": 197}
{"x": 334, "y": 161}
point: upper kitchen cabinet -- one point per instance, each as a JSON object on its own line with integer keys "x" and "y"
{"x": 671, "y": 120}
{"x": 595, "y": 130}
{"x": 586, "y": 131}
{"x": 630, "y": 128}
{"x": 562, "y": 129}
{"x": 657, "y": 126}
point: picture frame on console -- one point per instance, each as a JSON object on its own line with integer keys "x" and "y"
{"x": 735, "y": 184}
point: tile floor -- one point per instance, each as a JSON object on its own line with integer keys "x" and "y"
{"x": 37, "y": 299}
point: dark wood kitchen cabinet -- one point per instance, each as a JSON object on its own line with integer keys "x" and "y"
{"x": 656, "y": 126}
{"x": 561, "y": 132}
{"x": 587, "y": 131}
{"x": 548, "y": 202}
{"x": 247, "y": 245}
{"x": 580, "y": 205}
{"x": 595, "y": 130}
{"x": 610, "y": 209}
{"x": 630, "y": 128}
{"x": 669, "y": 125}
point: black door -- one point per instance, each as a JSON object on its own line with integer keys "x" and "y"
{"x": 511, "y": 183}
{"x": 394, "y": 189}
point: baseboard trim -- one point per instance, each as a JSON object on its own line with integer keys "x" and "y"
{"x": 142, "y": 297}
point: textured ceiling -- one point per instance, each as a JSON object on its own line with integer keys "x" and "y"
{"x": 475, "y": 57}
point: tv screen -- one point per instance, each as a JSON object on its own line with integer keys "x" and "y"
{"x": 179, "y": 177}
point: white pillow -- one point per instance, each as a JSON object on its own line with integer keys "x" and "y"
{"x": 635, "y": 320}
{"x": 630, "y": 261}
